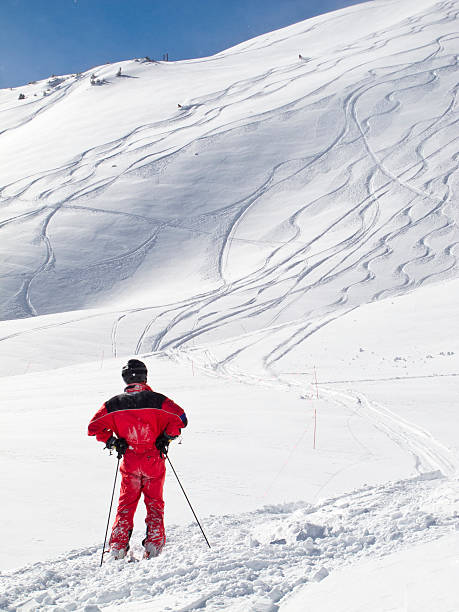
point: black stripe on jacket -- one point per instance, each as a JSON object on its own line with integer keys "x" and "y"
{"x": 135, "y": 401}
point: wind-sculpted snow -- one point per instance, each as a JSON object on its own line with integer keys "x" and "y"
{"x": 282, "y": 199}
{"x": 256, "y": 558}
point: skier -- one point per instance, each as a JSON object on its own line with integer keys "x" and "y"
{"x": 144, "y": 423}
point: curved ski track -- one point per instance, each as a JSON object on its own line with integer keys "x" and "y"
{"x": 387, "y": 228}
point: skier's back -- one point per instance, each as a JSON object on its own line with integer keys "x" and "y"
{"x": 144, "y": 422}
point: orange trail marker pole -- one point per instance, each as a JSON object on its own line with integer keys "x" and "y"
{"x": 315, "y": 427}
{"x": 315, "y": 408}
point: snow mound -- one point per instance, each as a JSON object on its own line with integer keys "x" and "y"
{"x": 244, "y": 569}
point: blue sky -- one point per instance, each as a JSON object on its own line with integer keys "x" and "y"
{"x": 43, "y": 37}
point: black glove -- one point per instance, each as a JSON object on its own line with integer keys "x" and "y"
{"x": 162, "y": 444}
{"x": 110, "y": 443}
{"x": 119, "y": 444}
{"x": 121, "y": 447}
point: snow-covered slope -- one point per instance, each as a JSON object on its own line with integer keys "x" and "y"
{"x": 259, "y": 558}
{"x": 287, "y": 191}
{"x": 277, "y": 237}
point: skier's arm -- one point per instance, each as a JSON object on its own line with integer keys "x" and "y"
{"x": 101, "y": 425}
{"x": 176, "y": 418}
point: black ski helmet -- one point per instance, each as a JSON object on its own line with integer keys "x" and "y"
{"x": 134, "y": 371}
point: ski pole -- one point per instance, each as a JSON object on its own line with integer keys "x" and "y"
{"x": 189, "y": 503}
{"x": 109, "y": 512}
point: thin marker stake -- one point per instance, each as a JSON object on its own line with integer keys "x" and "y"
{"x": 315, "y": 426}
{"x": 315, "y": 409}
{"x": 189, "y": 503}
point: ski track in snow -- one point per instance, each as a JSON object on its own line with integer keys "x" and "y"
{"x": 351, "y": 258}
{"x": 429, "y": 455}
{"x": 256, "y": 558}
{"x": 373, "y": 217}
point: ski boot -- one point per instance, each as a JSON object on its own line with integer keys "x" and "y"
{"x": 151, "y": 549}
{"x": 118, "y": 553}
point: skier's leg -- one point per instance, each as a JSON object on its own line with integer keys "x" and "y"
{"x": 153, "y": 496}
{"x": 131, "y": 486}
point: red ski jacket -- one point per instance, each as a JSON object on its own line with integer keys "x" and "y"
{"x": 139, "y": 415}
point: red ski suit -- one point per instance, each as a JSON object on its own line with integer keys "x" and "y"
{"x": 139, "y": 415}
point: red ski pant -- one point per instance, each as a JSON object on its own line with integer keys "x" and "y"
{"x": 141, "y": 473}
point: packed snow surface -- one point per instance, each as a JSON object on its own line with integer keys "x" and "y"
{"x": 256, "y": 558}
{"x": 274, "y": 231}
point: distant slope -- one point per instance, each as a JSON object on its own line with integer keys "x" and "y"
{"x": 282, "y": 192}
